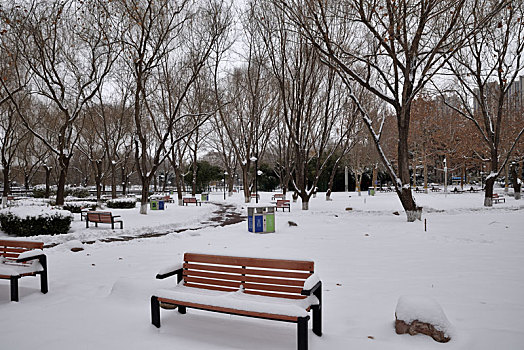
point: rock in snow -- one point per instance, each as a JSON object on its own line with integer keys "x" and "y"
{"x": 419, "y": 314}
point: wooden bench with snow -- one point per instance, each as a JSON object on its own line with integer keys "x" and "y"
{"x": 498, "y": 198}
{"x": 103, "y": 217}
{"x": 277, "y": 196}
{"x": 255, "y": 196}
{"x": 187, "y": 200}
{"x": 283, "y": 204}
{"x": 20, "y": 259}
{"x": 274, "y": 289}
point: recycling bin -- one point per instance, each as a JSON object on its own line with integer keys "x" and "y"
{"x": 204, "y": 197}
{"x": 261, "y": 218}
{"x": 156, "y": 204}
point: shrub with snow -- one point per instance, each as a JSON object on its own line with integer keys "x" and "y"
{"x": 76, "y": 207}
{"x": 39, "y": 191}
{"x": 34, "y": 221}
{"x": 80, "y": 192}
{"x": 121, "y": 203}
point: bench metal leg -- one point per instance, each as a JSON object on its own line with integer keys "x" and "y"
{"x": 155, "y": 312}
{"x": 43, "y": 275}
{"x": 317, "y": 313}
{"x": 87, "y": 223}
{"x": 317, "y": 320}
{"x": 181, "y": 309}
{"x": 14, "y": 288}
{"x": 302, "y": 333}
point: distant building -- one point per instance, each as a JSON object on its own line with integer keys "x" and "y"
{"x": 514, "y": 98}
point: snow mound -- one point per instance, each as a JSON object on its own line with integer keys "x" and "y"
{"x": 424, "y": 309}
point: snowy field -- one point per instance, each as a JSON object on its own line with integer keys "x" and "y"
{"x": 470, "y": 260}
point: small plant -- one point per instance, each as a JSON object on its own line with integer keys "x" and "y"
{"x": 79, "y": 192}
{"x": 39, "y": 191}
{"x": 34, "y": 221}
{"x": 76, "y": 207}
{"x": 121, "y": 203}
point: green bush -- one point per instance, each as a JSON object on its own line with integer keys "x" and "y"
{"x": 39, "y": 191}
{"x": 79, "y": 192}
{"x": 121, "y": 203}
{"x": 22, "y": 222}
{"x": 76, "y": 207}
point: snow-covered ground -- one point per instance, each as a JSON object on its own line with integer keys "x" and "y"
{"x": 470, "y": 260}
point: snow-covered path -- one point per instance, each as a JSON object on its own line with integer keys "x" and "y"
{"x": 470, "y": 259}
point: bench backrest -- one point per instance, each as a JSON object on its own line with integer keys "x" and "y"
{"x": 99, "y": 216}
{"x": 283, "y": 203}
{"x": 11, "y": 249}
{"x": 268, "y": 277}
{"x": 495, "y": 195}
{"x": 190, "y": 200}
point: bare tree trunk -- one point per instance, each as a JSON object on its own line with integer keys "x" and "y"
{"x": 515, "y": 180}
{"x": 64, "y": 167}
{"x": 144, "y": 195}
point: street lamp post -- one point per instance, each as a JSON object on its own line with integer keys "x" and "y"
{"x": 255, "y": 159}
{"x": 225, "y": 174}
{"x": 445, "y": 176}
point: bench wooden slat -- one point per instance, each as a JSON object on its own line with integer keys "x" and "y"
{"x": 276, "y": 281}
{"x": 248, "y": 271}
{"x": 253, "y": 292}
{"x": 250, "y": 262}
{"x": 247, "y": 286}
{"x": 5, "y": 243}
{"x": 204, "y": 286}
{"x": 229, "y": 311}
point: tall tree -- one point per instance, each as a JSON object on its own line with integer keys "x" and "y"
{"x": 392, "y": 48}
{"x": 486, "y": 71}
{"x": 69, "y": 48}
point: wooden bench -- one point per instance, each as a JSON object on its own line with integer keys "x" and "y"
{"x": 103, "y": 217}
{"x": 283, "y": 204}
{"x": 497, "y": 198}
{"x": 22, "y": 258}
{"x": 277, "y": 196}
{"x": 274, "y": 289}
{"x": 187, "y": 200}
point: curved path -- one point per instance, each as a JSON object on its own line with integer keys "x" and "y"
{"x": 225, "y": 215}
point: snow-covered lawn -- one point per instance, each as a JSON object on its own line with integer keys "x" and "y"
{"x": 470, "y": 260}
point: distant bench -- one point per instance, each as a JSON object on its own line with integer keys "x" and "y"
{"x": 188, "y": 200}
{"x": 497, "y": 198}
{"x": 22, "y": 258}
{"x": 277, "y": 196}
{"x": 283, "y": 204}
{"x": 103, "y": 217}
{"x": 275, "y": 289}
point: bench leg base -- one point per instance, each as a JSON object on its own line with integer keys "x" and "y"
{"x": 14, "y": 288}
{"x": 302, "y": 333}
{"x": 155, "y": 312}
{"x": 182, "y": 309}
{"x": 317, "y": 320}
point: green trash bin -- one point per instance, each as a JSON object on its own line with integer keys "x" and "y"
{"x": 204, "y": 197}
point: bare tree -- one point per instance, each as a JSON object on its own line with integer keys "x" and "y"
{"x": 68, "y": 48}
{"x": 158, "y": 34}
{"x": 486, "y": 71}
{"x": 392, "y": 49}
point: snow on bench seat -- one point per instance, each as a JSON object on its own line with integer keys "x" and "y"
{"x": 239, "y": 301}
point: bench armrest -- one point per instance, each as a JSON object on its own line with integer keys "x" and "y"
{"x": 116, "y": 216}
{"x": 33, "y": 255}
{"x": 171, "y": 271}
{"x": 311, "y": 284}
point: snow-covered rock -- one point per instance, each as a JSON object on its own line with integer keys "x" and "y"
{"x": 420, "y": 314}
